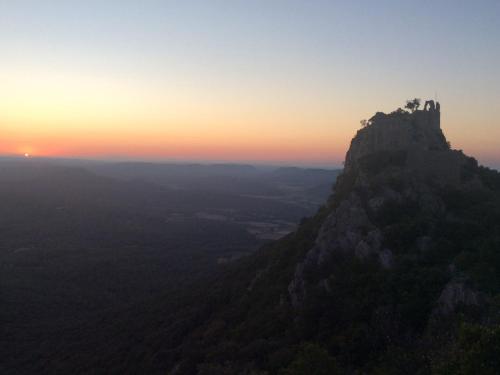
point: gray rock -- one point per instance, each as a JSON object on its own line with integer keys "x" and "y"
{"x": 325, "y": 283}
{"x": 456, "y": 293}
{"x": 386, "y": 258}
{"x": 376, "y": 203}
{"x": 296, "y": 288}
{"x": 374, "y": 238}
{"x": 362, "y": 250}
{"x": 417, "y": 131}
{"x": 257, "y": 277}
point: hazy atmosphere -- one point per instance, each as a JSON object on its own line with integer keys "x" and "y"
{"x": 268, "y": 187}
{"x": 261, "y": 81}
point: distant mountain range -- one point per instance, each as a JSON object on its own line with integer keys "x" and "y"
{"x": 83, "y": 241}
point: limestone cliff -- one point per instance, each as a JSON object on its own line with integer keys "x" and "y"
{"x": 416, "y": 132}
{"x": 416, "y": 136}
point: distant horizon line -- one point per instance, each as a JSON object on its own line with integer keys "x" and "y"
{"x": 180, "y": 161}
{"x": 258, "y": 163}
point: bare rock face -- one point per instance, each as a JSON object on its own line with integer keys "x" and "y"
{"x": 417, "y": 135}
{"x": 296, "y": 288}
{"x": 386, "y": 258}
{"x": 455, "y": 294}
{"x": 343, "y": 231}
{"x": 347, "y": 231}
{"x": 401, "y": 149}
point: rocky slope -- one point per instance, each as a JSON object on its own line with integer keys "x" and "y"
{"x": 391, "y": 276}
{"x": 398, "y": 159}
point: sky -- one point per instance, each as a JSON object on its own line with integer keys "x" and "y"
{"x": 281, "y": 81}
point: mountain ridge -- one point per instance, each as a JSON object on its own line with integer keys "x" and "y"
{"x": 376, "y": 281}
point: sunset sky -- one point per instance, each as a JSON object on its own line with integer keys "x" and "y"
{"x": 278, "y": 81}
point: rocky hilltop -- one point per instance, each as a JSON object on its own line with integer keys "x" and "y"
{"x": 398, "y": 159}
{"x": 416, "y": 132}
{"x": 416, "y": 135}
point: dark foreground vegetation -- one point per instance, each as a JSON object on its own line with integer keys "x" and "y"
{"x": 240, "y": 320}
{"x": 90, "y": 251}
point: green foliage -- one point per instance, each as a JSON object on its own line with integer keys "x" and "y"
{"x": 413, "y": 104}
{"x": 399, "y": 360}
{"x": 312, "y": 359}
{"x": 399, "y": 113}
{"x": 490, "y": 178}
{"x": 477, "y": 352}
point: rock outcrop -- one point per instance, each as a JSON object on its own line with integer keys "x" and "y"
{"x": 417, "y": 137}
{"x": 398, "y": 264}
{"x": 396, "y": 159}
{"x": 456, "y": 294}
{"x": 415, "y": 132}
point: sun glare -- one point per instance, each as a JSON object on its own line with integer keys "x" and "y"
{"x": 26, "y": 155}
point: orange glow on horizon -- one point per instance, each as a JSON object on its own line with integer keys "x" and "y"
{"x": 196, "y": 142}
{"x": 315, "y": 151}
{"x": 77, "y": 114}
{"x": 73, "y": 115}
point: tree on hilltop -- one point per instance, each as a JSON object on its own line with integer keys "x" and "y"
{"x": 364, "y": 123}
{"x": 412, "y": 105}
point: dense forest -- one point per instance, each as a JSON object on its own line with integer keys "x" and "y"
{"x": 83, "y": 244}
